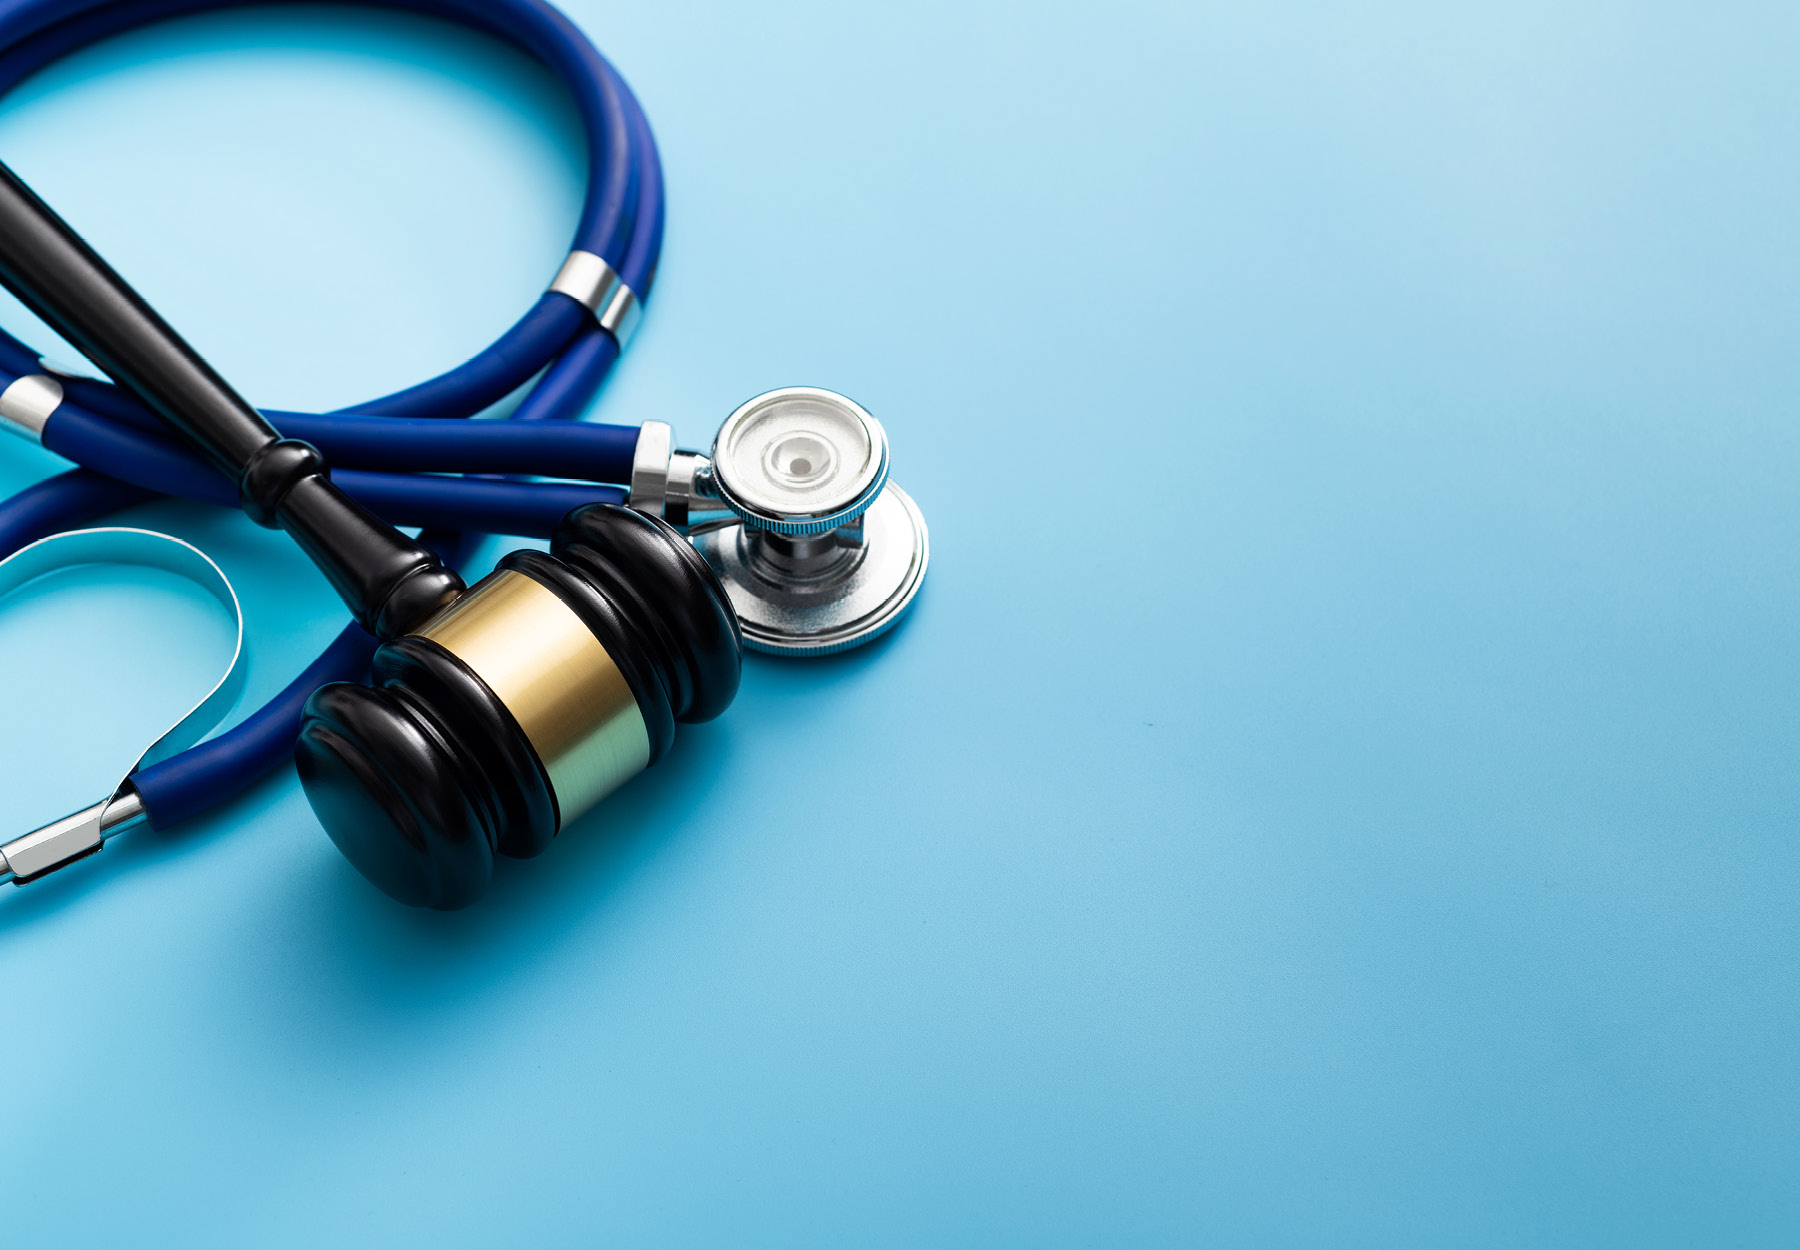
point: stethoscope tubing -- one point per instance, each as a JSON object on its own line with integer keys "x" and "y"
{"x": 622, "y": 221}
{"x": 484, "y": 505}
{"x": 621, "y": 216}
{"x": 589, "y": 452}
{"x": 35, "y": 33}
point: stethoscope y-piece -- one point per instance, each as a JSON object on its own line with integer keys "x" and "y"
{"x": 64, "y": 841}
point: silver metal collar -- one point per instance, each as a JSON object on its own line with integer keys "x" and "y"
{"x": 26, "y": 405}
{"x": 590, "y": 281}
{"x": 650, "y": 467}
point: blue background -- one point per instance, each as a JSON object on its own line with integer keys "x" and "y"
{"x": 1338, "y": 787}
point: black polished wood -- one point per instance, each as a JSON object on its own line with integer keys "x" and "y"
{"x": 390, "y": 583}
{"x": 423, "y": 779}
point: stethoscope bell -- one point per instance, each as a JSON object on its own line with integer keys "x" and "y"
{"x": 823, "y": 553}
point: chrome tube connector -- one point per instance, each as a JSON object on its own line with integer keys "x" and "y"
{"x": 27, "y": 404}
{"x": 76, "y": 836}
{"x": 674, "y": 485}
{"x": 692, "y": 496}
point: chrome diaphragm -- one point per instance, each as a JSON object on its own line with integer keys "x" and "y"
{"x": 817, "y": 549}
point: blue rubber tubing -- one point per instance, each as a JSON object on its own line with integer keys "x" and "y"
{"x": 621, "y": 221}
{"x": 484, "y": 505}
{"x": 620, "y": 155}
{"x": 542, "y": 448}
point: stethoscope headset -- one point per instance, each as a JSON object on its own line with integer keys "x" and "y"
{"x": 492, "y": 715}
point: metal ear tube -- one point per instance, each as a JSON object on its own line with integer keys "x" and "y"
{"x": 80, "y": 834}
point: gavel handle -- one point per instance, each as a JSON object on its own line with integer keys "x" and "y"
{"x": 390, "y": 583}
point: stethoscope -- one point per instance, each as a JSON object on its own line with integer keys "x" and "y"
{"x": 447, "y": 724}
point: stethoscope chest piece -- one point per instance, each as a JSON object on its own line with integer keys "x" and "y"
{"x": 824, "y": 553}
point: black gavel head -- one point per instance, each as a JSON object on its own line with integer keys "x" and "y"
{"x": 521, "y": 705}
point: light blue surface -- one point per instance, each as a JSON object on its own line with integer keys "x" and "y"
{"x": 1340, "y": 784}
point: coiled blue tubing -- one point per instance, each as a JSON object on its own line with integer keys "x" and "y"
{"x": 380, "y": 450}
